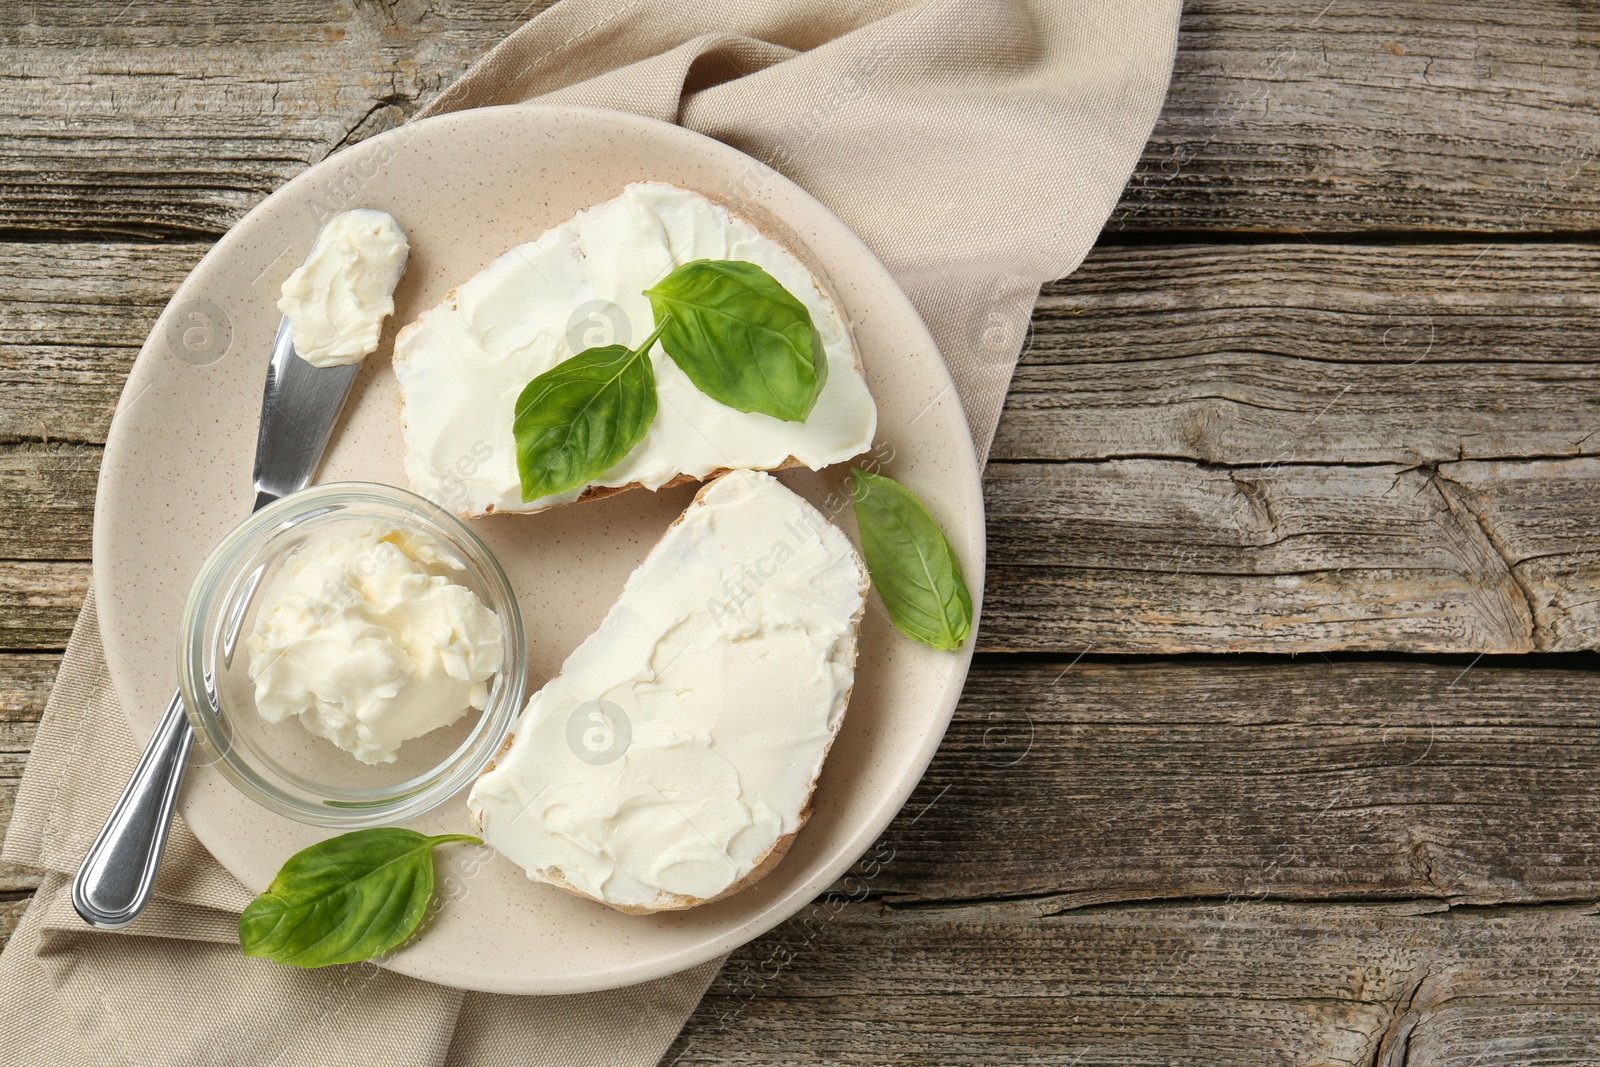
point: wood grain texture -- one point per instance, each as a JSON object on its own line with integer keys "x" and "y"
{"x": 1227, "y": 983}
{"x": 1066, "y": 788}
{"x": 1301, "y": 353}
{"x": 73, "y": 318}
{"x": 1167, "y": 556}
{"x": 1304, "y": 402}
{"x": 39, "y": 602}
{"x": 1534, "y": 513}
{"x": 25, "y": 681}
{"x": 1108, "y": 781}
{"x": 1421, "y": 117}
{"x": 1113, "y": 780}
{"x": 173, "y": 119}
{"x": 49, "y": 501}
{"x": 1223, "y": 353}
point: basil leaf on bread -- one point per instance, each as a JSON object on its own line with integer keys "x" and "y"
{"x": 738, "y": 335}
{"x": 743, "y": 339}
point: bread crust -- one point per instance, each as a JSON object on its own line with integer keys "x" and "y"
{"x": 769, "y": 859}
{"x": 763, "y": 222}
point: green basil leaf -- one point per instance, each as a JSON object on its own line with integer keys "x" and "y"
{"x": 911, "y": 563}
{"x": 579, "y": 419}
{"x": 743, "y": 339}
{"x": 344, "y": 900}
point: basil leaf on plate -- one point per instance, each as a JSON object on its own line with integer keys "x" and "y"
{"x": 911, "y": 563}
{"x": 743, "y": 339}
{"x": 344, "y": 900}
{"x": 579, "y": 419}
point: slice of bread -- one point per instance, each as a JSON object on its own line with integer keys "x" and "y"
{"x": 730, "y": 703}
{"x": 461, "y": 365}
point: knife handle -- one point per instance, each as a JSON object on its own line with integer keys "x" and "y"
{"x": 114, "y": 883}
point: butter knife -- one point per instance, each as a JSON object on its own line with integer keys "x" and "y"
{"x": 298, "y": 409}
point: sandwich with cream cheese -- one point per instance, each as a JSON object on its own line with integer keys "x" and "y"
{"x": 673, "y": 759}
{"x": 462, "y": 364}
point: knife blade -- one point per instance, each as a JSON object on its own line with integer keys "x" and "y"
{"x": 298, "y": 409}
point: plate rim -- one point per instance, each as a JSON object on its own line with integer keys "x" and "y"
{"x": 889, "y": 804}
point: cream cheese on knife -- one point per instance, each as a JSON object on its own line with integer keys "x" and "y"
{"x": 337, "y": 299}
{"x": 462, "y": 364}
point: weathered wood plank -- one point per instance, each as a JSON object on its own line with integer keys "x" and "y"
{"x": 49, "y": 501}
{"x": 1229, "y": 354}
{"x": 1145, "y": 352}
{"x": 1119, "y": 781}
{"x": 73, "y": 319}
{"x": 1142, "y": 556}
{"x": 1111, "y": 780}
{"x": 1229, "y": 984}
{"x": 1169, "y": 556}
{"x": 39, "y": 602}
{"x": 25, "y": 682}
{"x": 1495, "y": 1035}
{"x": 175, "y": 118}
{"x": 1234, "y": 983}
{"x": 1043, "y": 980}
{"x": 1312, "y": 354}
{"x": 1535, "y": 512}
{"x": 1164, "y": 556}
{"x": 1424, "y": 116}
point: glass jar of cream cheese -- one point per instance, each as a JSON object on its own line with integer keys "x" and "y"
{"x": 351, "y": 656}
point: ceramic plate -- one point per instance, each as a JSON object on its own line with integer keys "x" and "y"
{"x": 466, "y": 187}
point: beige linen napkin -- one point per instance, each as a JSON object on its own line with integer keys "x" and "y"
{"x": 977, "y": 146}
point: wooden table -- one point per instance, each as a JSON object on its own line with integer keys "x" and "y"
{"x": 1283, "y": 743}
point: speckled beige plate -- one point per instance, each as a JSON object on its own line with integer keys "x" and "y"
{"x": 466, "y": 187}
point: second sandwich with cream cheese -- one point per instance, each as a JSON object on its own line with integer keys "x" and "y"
{"x": 673, "y": 758}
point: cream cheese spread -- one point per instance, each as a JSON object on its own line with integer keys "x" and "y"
{"x": 338, "y": 298}
{"x": 682, "y": 739}
{"x": 462, "y": 364}
{"x": 367, "y": 639}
